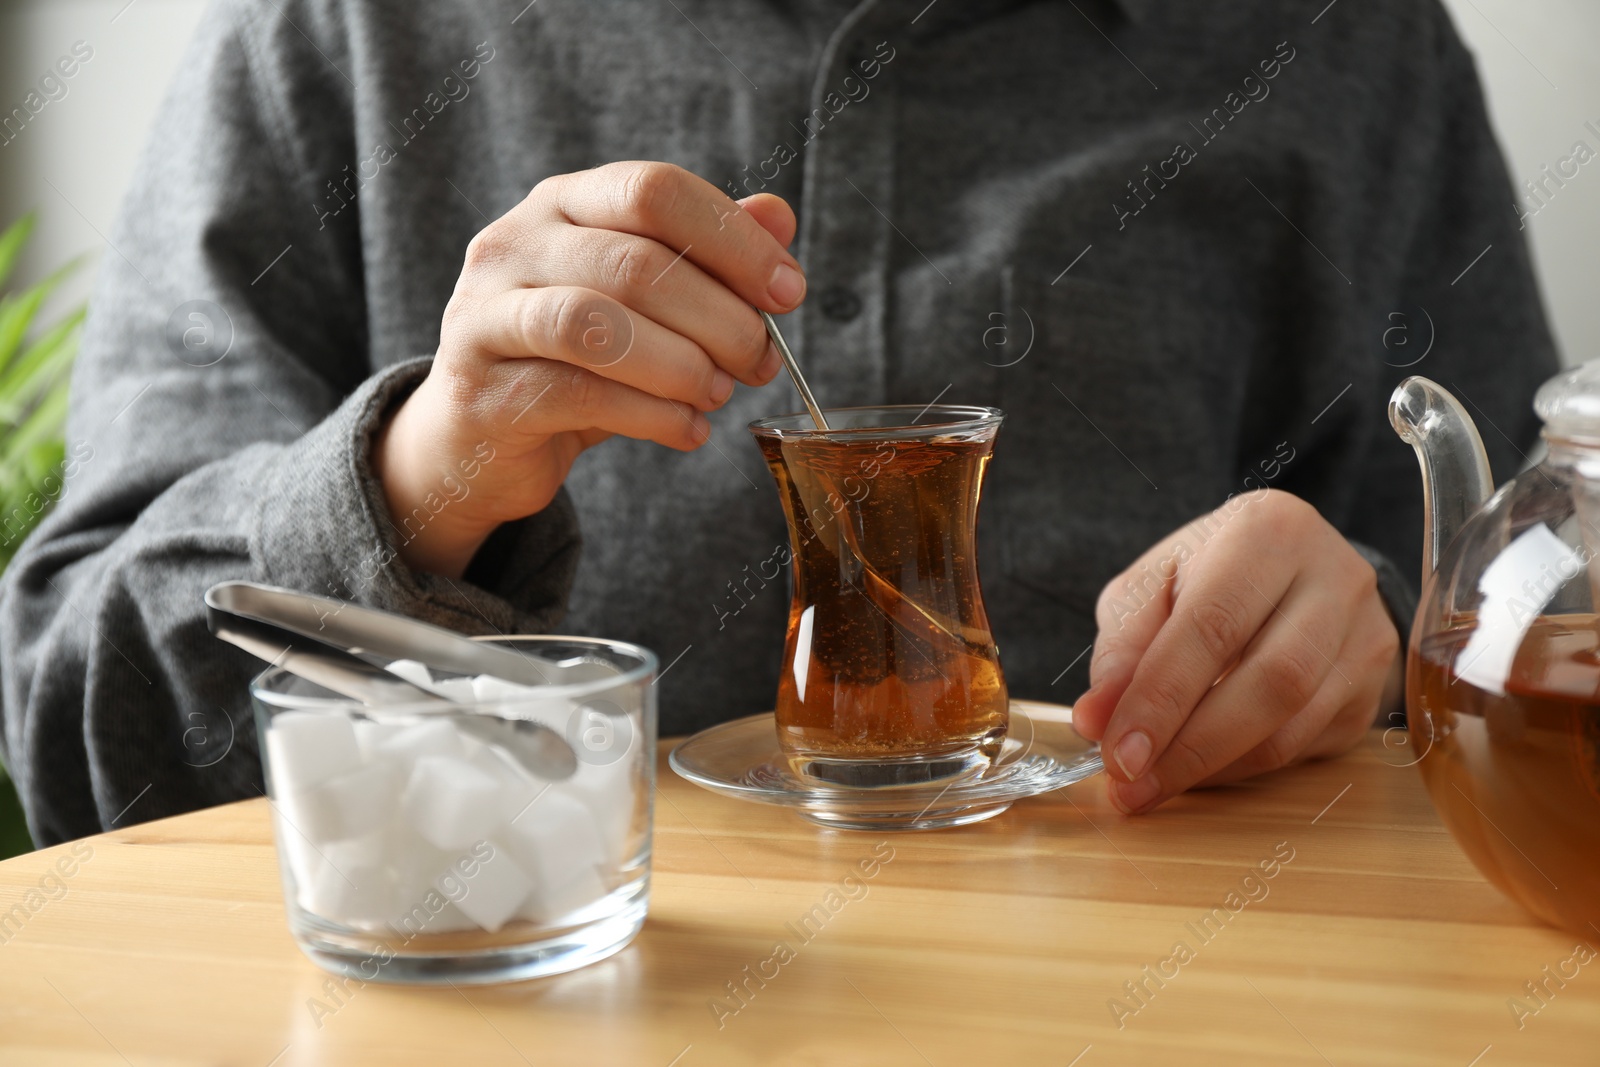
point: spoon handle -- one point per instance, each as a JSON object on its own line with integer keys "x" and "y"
{"x": 331, "y": 668}
{"x": 379, "y": 636}
{"x": 794, "y": 371}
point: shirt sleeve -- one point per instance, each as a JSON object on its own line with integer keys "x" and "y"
{"x": 1470, "y": 315}
{"x": 223, "y": 408}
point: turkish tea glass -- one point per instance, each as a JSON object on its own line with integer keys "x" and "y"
{"x": 890, "y": 672}
{"x": 431, "y": 843}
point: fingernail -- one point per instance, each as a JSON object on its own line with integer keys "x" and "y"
{"x": 702, "y": 427}
{"x": 1133, "y": 753}
{"x": 721, "y": 386}
{"x": 770, "y": 366}
{"x": 786, "y": 286}
{"x": 1132, "y": 798}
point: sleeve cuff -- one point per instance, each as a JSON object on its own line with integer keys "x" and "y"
{"x": 322, "y": 525}
{"x": 1400, "y": 597}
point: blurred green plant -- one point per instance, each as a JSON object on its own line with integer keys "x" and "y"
{"x": 34, "y": 372}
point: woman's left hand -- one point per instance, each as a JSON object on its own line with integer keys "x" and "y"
{"x": 1250, "y": 639}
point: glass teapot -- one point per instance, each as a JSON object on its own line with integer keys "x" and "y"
{"x": 1503, "y": 672}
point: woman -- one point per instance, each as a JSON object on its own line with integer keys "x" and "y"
{"x": 386, "y": 318}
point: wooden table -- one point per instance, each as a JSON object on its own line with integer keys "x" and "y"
{"x": 1008, "y": 942}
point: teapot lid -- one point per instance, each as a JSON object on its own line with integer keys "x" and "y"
{"x": 1569, "y": 403}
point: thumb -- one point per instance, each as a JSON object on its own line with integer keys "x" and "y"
{"x": 566, "y": 447}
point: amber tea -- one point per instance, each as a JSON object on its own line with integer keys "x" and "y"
{"x": 889, "y": 656}
{"x": 1516, "y": 774}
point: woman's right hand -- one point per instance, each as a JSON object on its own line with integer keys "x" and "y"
{"x": 612, "y": 301}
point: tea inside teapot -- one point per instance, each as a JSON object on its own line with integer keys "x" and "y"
{"x": 1515, "y": 772}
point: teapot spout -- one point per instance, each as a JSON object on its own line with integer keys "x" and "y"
{"x": 1455, "y": 468}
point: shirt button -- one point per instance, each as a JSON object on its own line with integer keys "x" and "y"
{"x": 840, "y": 304}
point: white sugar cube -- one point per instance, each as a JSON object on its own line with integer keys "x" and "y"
{"x": 554, "y": 903}
{"x": 433, "y": 737}
{"x": 556, "y": 837}
{"x": 608, "y": 788}
{"x": 582, "y": 889}
{"x": 616, "y": 812}
{"x": 535, "y": 751}
{"x": 436, "y": 880}
{"x": 371, "y": 735}
{"x": 456, "y": 689}
{"x": 298, "y": 855}
{"x": 488, "y": 891}
{"x": 450, "y": 802}
{"x": 451, "y": 920}
{"x": 518, "y": 788}
{"x": 489, "y": 689}
{"x": 347, "y": 805}
{"x": 414, "y": 671}
{"x": 418, "y": 674}
{"x": 414, "y": 863}
{"x": 428, "y": 912}
{"x": 305, "y": 748}
{"x": 524, "y": 702}
{"x": 350, "y": 884}
{"x": 585, "y": 669}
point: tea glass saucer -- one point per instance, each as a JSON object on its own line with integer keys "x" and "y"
{"x": 742, "y": 759}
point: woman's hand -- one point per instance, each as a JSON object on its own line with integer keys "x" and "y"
{"x": 1249, "y": 640}
{"x": 612, "y": 301}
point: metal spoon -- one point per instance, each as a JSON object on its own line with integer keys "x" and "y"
{"x": 320, "y": 659}
{"x": 887, "y": 590}
{"x": 794, "y": 371}
{"x": 331, "y": 668}
{"x": 379, "y": 637}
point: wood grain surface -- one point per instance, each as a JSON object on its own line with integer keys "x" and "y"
{"x": 1010, "y": 942}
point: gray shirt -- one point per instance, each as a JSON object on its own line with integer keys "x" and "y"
{"x": 1180, "y": 244}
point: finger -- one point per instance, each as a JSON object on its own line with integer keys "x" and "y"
{"x": 690, "y": 215}
{"x": 1282, "y": 669}
{"x": 648, "y": 277}
{"x": 546, "y": 397}
{"x": 1335, "y": 719}
{"x": 1340, "y": 714}
{"x": 1130, "y": 612}
{"x": 1308, "y": 734}
{"x": 587, "y": 329}
{"x": 1220, "y": 607}
{"x": 773, "y": 214}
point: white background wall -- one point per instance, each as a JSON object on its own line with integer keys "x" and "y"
{"x": 1536, "y": 58}
{"x": 73, "y": 160}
